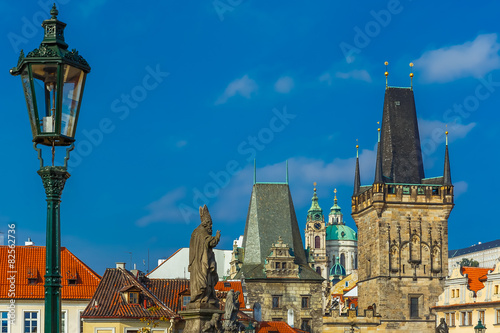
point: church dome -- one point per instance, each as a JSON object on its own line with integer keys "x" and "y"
{"x": 337, "y": 269}
{"x": 340, "y": 232}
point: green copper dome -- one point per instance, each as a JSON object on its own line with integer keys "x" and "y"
{"x": 340, "y": 232}
{"x": 337, "y": 269}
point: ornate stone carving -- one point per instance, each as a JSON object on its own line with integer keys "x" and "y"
{"x": 231, "y": 324}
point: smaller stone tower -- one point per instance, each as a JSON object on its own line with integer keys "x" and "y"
{"x": 315, "y": 235}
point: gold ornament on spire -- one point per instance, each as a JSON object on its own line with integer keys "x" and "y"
{"x": 335, "y": 196}
{"x": 386, "y": 73}
{"x": 314, "y": 186}
{"x": 411, "y": 76}
{"x": 446, "y": 134}
{"x": 357, "y": 148}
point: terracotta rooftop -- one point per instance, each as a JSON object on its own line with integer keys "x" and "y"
{"x": 77, "y": 279}
{"x": 110, "y": 302}
{"x": 276, "y": 326}
{"x": 476, "y": 276}
{"x": 169, "y": 291}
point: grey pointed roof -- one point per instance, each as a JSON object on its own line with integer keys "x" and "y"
{"x": 357, "y": 181}
{"x": 447, "y": 170}
{"x": 271, "y": 214}
{"x": 400, "y": 140}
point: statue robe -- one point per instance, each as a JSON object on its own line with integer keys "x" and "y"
{"x": 202, "y": 267}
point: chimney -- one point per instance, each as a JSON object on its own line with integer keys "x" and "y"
{"x": 29, "y": 242}
{"x": 120, "y": 265}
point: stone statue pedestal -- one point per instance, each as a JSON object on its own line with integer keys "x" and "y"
{"x": 196, "y": 319}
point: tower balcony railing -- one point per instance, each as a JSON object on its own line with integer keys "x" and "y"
{"x": 401, "y": 193}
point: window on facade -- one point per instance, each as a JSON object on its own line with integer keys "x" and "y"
{"x": 317, "y": 242}
{"x": 413, "y": 307}
{"x": 356, "y": 261}
{"x": 453, "y": 293}
{"x": 276, "y": 302}
{"x": 278, "y": 265}
{"x": 306, "y": 325}
{"x": 63, "y": 321}
{"x": 318, "y": 270}
{"x": 480, "y": 315}
{"x": 30, "y": 322}
{"x": 450, "y": 319}
{"x": 342, "y": 260}
{"x": 133, "y": 298}
{"x": 497, "y": 316}
{"x": 496, "y": 290}
{"x": 185, "y": 300}
{"x": 466, "y": 318}
{"x": 305, "y": 302}
{"x": 4, "y": 321}
{"x": 458, "y": 292}
{"x": 283, "y": 265}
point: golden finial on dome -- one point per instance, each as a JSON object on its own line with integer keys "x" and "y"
{"x": 411, "y": 76}
{"x": 386, "y": 73}
{"x": 314, "y": 186}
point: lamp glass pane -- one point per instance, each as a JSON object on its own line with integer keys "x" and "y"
{"x": 45, "y": 82}
{"x": 29, "y": 101}
{"x": 72, "y": 94}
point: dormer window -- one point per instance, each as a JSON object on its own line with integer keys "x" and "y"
{"x": 133, "y": 297}
{"x": 71, "y": 282}
{"x": 32, "y": 281}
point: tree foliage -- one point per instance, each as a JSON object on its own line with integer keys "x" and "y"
{"x": 153, "y": 320}
{"x": 468, "y": 263}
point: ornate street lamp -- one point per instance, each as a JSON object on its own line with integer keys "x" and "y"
{"x": 479, "y": 328}
{"x": 53, "y": 79}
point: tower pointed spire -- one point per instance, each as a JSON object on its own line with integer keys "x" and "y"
{"x": 447, "y": 170}
{"x": 357, "y": 182}
{"x": 315, "y": 213}
{"x": 378, "y": 165}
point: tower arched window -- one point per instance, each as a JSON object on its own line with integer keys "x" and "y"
{"x": 342, "y": 259}
{"x": 318, "y": 270}
{"x": 317, "y": 242}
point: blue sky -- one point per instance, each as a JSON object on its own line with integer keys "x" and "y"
{"x": 182, "y": 97}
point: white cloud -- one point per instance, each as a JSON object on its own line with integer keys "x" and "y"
{"x": 357, "y": 74}
{"x": 459, "y": 188}
{"x": 473, "y": 58}
{"x": 434, "y": 130}
{"x": 232, "y": 202}
{"x": 165, "y": 209}
{"x": 244, "y": 87}
{"x": 326, "y": 77}
{"x": 284, "y": 85}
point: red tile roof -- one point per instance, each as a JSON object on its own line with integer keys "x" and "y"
{"x": 476, "y": 276}
{"x": 110, "y": 302}
{"x": 30, "y": 265}
{"x": 235, "y": 285}
{"x": 168, "y": 291}
{"x": 275, "y": 326}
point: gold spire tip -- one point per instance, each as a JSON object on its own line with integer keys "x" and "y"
{"x": 446, "y": 132}
{"x": 357, "y": 146}
{"x": 378, "y": 129}
{"x": 386, "y": 63}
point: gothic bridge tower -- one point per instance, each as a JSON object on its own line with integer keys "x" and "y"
{"x": 402, "y": 221}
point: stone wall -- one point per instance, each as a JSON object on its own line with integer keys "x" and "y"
{"x": 290, "y": 292}
{"x": 402, "y": 253}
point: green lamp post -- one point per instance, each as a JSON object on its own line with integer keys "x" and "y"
{"x": 53, "y": 79}
{"x": 479, "y": 328}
